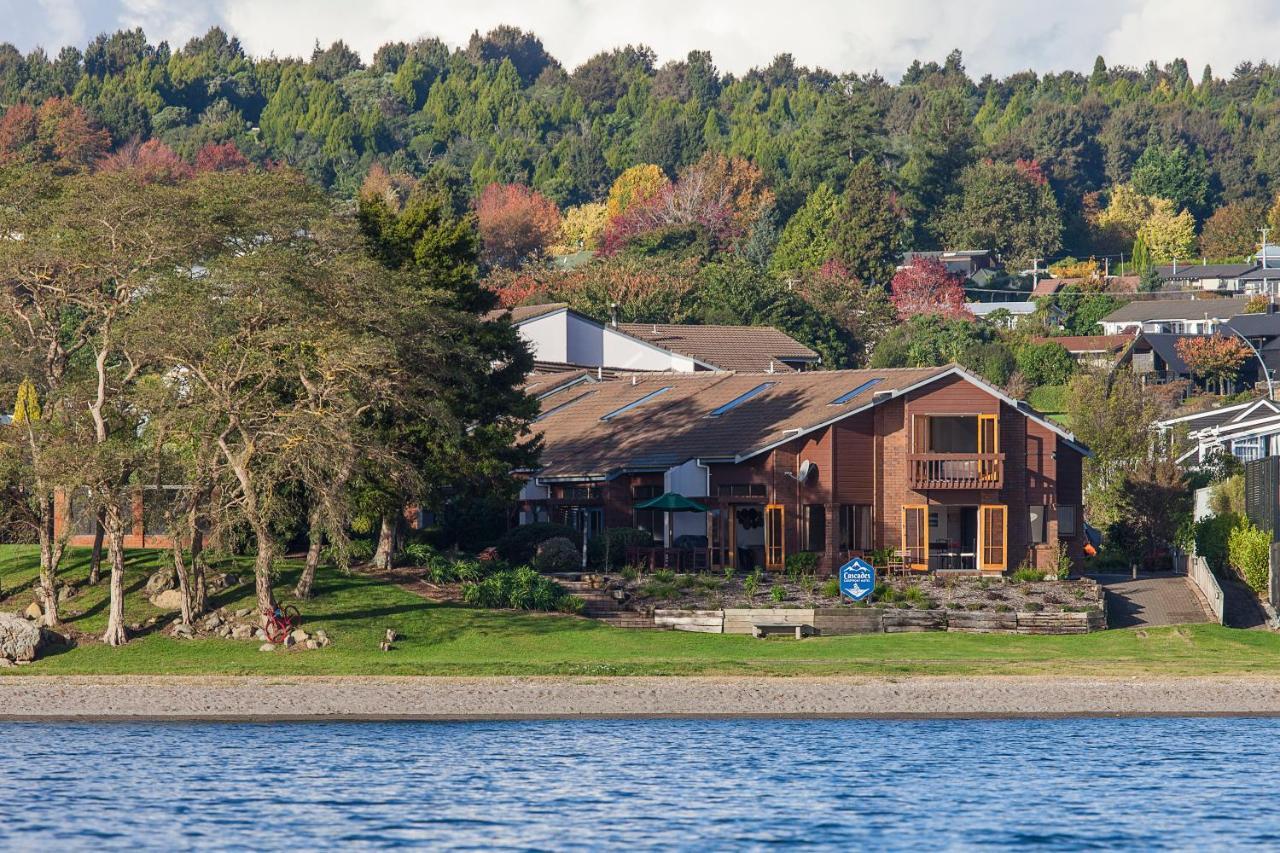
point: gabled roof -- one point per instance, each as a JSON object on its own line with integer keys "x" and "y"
{"x": 524, "y": 313}
{"x": 1222, "y": 414}
{"x": 1197, "y": 272}
{"x": 752, "y": 349}
{"x": 1165, "y": 346}
{"x": 1146, "y": 310}
{"x": 1261, "y": 325}
{"x": 650, "y": 431}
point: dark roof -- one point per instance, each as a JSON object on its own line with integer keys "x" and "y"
{"x": 1165, "y": 346}
{"x": 1262, "y": 273}
{"x": 1261, "y": 325}
{"x": 524, "y": 313}
{"x": 750, "y": 349}
{"x": 675, "y": 424}
{"x": 1196, "y": 272}
{"x": 1219, "y": 415}
{"x": 1143, "y": 310}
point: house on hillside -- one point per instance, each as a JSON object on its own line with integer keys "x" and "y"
{"x": 1247, "y": 431}
{"x": 1172, "y": 316}
{"x": 1091, "y": 350}
{"x": 933, "y": 463}
{"x": 1013, "y": 312}
{"x": 1215, "y": 278}
{"x": 558, "y": 334}
{"x": 973, "y": 265}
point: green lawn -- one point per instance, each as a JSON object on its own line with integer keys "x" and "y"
{"x": 443, "y": 640}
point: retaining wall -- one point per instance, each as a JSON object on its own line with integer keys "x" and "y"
{"x": 834, "y": 621}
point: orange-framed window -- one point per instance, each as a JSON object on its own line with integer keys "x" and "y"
{"x": 775, "y": 552}
{"x": 993, "y": 538}
{"x": 988, "y": 442}
{"x": 915, "y": 536}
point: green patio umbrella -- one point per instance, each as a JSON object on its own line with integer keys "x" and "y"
{"x": 669, "y": 503}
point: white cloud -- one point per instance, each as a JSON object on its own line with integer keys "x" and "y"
{"x": 996, "y": 36}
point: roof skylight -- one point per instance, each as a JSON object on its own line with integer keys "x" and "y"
{"x": 629, "y": 406}
{"x": 844, "y": 398}
{"x": 566, "y": 404}
{"x": 740, "y": 399}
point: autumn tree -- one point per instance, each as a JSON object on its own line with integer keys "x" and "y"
{"x": 863, "y": 310}
{"x": 1168, "y": 236}
{"x": 1214, "y": 358}
{"x": 636, "y": 185}
{"x": 925, "y": 287}
{"x": 516, "y": 223}
{"x": 1232, "y": 231}
{"x": 581, "y": 228}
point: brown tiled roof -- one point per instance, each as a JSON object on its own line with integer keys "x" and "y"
{"x": 521, "y": 313}
{"x": 748, "y": 349}
{"x": 674, "y": 426}
{"x": 1090, "y": 343}
{"x": 1050, "y": 286}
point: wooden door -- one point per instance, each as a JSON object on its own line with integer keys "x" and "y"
{"x": 993, "y": 538}
{"x": 775, "y": 552}
{"x": 915, "y": 536}
{"x": 988, "y": 443}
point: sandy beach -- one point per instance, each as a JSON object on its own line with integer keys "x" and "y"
{"x": 428, "y": 698}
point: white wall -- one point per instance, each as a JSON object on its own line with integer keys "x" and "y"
{"x": 547, "y": 337}
{"x": 568, "y": 338}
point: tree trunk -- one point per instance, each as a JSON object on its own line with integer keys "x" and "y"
{"x": 199, "y": 595}
{"x": 116, "y": 634}
{"x": 315, "y": 542}
{"x": 48, "y": 561}
{"x": 184, "y": 580}
{"x": 386, "y": 550}
{"x": 95, "y": 559}
{"x": 262, "y": 568}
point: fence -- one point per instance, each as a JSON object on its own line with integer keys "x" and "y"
{"x": 1199, "y": 573}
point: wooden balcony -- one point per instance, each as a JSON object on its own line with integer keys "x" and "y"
{"x": 956, "y": 470}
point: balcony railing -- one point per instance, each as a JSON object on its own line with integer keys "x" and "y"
{"x": 956, "y": 470}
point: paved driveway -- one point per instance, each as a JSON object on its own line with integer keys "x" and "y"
{"x": 1153, "y": 600}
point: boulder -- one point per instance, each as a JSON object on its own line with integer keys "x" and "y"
{"x": 170, "y": 599}
{"x": 267, "y": 647}
{"x": 322, "y": 639}
{"x": 241, "y": 632}
{"x": 259, "y": 634}
{"x": 161, "y": 581}
{"x": 66, "y": 593}
{"x": 289, "y": 641}
{"x": 311, "y": 644}
{"x": 243, "y": 612}
{"x": 184, "y": 631}
{"x": 300, "y": 636}
{"x": 19, "y": 639}
{"x": 213, "y": 621}
{"x": 33, "y": 611}
{"x": 5, "y": 662}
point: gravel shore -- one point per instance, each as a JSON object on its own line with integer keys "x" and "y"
{"x": 316, "y": 698}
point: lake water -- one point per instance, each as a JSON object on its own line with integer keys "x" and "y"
{"x": 614, "y": 784}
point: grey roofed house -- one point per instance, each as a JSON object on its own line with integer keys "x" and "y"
{"x": 1173, "y": 315}
{"x": 1247, "y": 431}
{"x": 1200, "y": 272}
{"x": 965, "y": 262}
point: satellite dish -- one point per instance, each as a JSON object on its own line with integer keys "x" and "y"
{"x": 806, "y": 471}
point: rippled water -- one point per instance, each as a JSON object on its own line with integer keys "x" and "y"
{"x": 690, "y": 784}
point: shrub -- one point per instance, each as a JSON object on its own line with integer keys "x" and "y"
{"x": 1028, "y": 574}
{"x": 556, "y": 555}
{"x": 751, "y": 585}
{"x": 418, "y": 554}
{"x": 608, "y": 550}
{"x": 1249, "y": 551}
{"x": 801, "y": 563}
{"x": 777, "y": 592}
{"x": 358, "y": 551}
{"x": 1062, "y": 561}
{"x": 519, "y": 544}
{"x": 1211, "y": 536}
{"x": 518, "y": 589}
{"x": 831, "y": 588}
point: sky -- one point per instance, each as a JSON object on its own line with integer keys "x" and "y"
{"x": 996, "y": 36}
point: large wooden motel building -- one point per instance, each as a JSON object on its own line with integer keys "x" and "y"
{"x": 934, "y": 464}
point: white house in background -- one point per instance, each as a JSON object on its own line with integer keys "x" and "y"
{"x": 1172, "y": 316}
{"x": 1218, "y": 278}
{"x": 559, "y": 335}
{"x": 1247, "y": 431}
{"x": 1016, "y": 311}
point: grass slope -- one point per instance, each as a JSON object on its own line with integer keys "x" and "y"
{"x": 445, "y": 640}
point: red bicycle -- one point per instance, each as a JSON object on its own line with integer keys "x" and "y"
{"x": 280, "y": 622}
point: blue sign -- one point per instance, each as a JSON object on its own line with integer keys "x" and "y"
{"x": 857, "y": 579}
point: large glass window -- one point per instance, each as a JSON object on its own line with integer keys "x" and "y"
{"x": 815, "y": 526}
{"x": 1066, "y": 521}
{"x": 855, "y": 527}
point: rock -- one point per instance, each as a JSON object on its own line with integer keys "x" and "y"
{"x": 241, "y": 632}
{"x": 391, "y": 636}
{"x": 267, "y": 647}
{"x": 214, "y": 621}
{"x": 300, "y": 636}
{"x": 259, "y": 634}
{"x": 183, "y": 631}
{"x": 33, "y": 611}
{"x": 20, "y": 641}
{"x": 5, "y": 662}
{"x": 322, "y": 639}
{"x": 169, "y": 599}
{"x": 311, "y": 644}
{"x": 161, "y": 581}
{"x": 289, "y": 641}
{"x": 240, "y": 614}
{"x": 65, "y": 594}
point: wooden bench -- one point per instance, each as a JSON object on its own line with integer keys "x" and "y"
{"x": 760, "y": 631}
